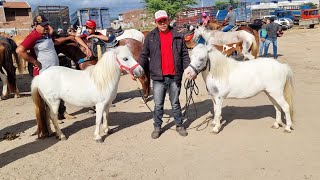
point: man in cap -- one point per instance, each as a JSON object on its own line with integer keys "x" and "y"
{"x": 42, "y": 52}
{"x": 230, "y": 19}
{"x": 165, "y": 56}
{"x": 272, "y": 29}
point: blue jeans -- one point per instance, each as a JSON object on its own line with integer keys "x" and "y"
{"x": 227, "y": 28}
{"x": 159, "y": 93}
{"x": 262, "y": 47}
{"x": 274, "y": 45}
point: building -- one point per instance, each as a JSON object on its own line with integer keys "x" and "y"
{"x": 15, "y": 17}
{"x": 58, "y": 16}
{"x": 137, "y": 19}
{"x": 100, "y": 15}
{"x": 261, "y": 9}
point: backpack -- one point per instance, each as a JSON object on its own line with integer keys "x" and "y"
{"x": 263, "y": 33}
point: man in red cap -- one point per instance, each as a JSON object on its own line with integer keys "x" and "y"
{"x": 42, "y": 52}
{"x": 90, "y": 32}
{"x": 165, "y": 56}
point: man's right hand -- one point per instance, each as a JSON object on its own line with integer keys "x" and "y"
{"x": 88, "y": 52}
{"x": 37, "y": 64}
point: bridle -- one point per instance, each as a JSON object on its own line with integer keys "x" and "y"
{"x": 129, "y": 69}
{"x": 208, "y": 64}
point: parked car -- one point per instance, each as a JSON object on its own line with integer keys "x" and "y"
{"x": 288, "y": 22}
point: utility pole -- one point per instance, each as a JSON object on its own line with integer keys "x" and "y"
{"x": 201, "y": 3}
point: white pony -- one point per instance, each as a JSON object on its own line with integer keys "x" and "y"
{"x": 216, "y": 37}
{"x": 132, "y": 33}
{"x": 228, "y": 78}
{"x": 95, "y": 86}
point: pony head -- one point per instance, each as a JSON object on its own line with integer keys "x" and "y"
{"x": 198, "y": 32}
{"x": 127, "y": 62}
{"x": 199, "y": 58}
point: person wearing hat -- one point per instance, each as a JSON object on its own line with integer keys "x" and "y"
{"x": 42, "y": 52}
{"x": 165, "y": 56}
{"x": 272, "y": 30}
{"x": 205, "y": 19}
{"x": 230, "y": 20}
{"x": 263, "y": 35}
{"x": 89, "y": 33}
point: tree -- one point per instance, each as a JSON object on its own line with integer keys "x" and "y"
{"x": 224, "y": 4}
{"x": 172, "y": 7}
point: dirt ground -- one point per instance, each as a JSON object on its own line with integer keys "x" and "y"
{"x": 246, "y": 148}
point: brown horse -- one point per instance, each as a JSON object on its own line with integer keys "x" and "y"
{"x": 7, "y": 69}
{"x": 75, "y": 52}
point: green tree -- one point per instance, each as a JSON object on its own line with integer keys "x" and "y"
{"x": 224, "y": 4}
{"x": 172, "y": 7}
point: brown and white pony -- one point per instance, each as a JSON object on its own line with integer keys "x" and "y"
{"x": 7, "y": 69}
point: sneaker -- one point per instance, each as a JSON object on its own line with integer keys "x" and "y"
{"x": 156, "y": 133}
{"x": 182, "y": 131}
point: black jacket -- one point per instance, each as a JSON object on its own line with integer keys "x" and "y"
{"x": 151, "y": 50}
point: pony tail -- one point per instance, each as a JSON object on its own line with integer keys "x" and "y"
{"x": 288, "y": 92}
{"x": 255, "y": 44}
{"x": 40, "y": 110}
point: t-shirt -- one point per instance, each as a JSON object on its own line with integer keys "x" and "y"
{"x": 167, "y": 61}
{"x": 42, "y": 47}
{"x": 272, "y": 29}
{"x": 205, "y": 20}
{"x": 231, "y": 16}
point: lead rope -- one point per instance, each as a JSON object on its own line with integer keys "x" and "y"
{"x": 191, "y": 87}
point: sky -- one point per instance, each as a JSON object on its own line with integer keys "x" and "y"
{"x": 115, "y": 6}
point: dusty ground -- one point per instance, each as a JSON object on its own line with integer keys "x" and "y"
{"x": 246, "y": 148}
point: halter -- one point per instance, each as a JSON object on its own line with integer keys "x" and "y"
{"x": 125, "y": 68}
{"x": 204, "y": 68}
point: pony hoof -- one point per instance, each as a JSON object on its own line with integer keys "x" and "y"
{"x": 106, "y": 131}
{"x": 287, "y": 131}
{"x": 62, "y": 138}
{"x": 215, "y": 131}
{"x": 275, "y": 127}
{"x": 17, "y": 96}
{"x": 99, "y": 140}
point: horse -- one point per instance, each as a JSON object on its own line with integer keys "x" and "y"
{"x": 216, "y": 26}
{"x": 228, "y": 49}
{"x": 7, "y": 69}
{"x": 220, "y": 38}
{"x": 74, "y": 52}
{"x": 133, "y": 34}
{"x": 95, "y": 86}
{"x": 227, "y": 78}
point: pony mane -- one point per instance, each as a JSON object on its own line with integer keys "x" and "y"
{"x": 221, "y": 66}
{"x": 106, "y": 72}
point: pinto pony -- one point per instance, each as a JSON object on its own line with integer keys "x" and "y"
{"x": 226, "y": 78}
{"x": 215, "y": 37}
{"x": 95, "y": 86}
